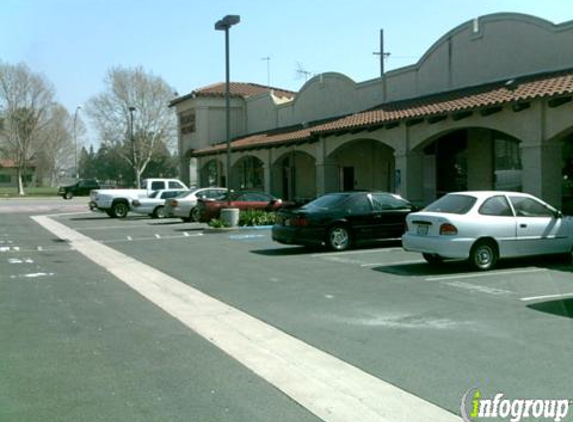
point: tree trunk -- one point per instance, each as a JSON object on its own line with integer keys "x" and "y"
{"x": 20, "y": 183}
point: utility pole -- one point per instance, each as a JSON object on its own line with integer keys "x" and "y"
{"x": 383, "y": 55}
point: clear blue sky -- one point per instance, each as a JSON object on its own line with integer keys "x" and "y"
{"x": 74, "y": 42}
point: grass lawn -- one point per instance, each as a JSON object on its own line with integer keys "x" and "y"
{"x": 12, "y": 192}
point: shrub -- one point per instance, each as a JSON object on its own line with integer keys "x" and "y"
{"x": 217, "y": 223}
{"x": 256, "y": 218}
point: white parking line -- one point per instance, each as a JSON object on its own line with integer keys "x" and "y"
{"x": 391, "y": 264}
{"x": 363, "y": 251}
{"x": 478, "y": 288}
{"x": 332, "y": 389}
{"x": 125, "y": 226}
{"x": 527, "y": 299}
{"x": 487, "y": 274}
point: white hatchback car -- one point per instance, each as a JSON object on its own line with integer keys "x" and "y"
{"x": 483, "y": 226}
{"x": 184, "y": 206}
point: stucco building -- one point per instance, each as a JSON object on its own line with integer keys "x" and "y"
{"x": 488, "y": 106}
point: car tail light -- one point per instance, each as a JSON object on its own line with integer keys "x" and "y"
{"x": 174, "y": 203}
{"x": 448, "y": 229}
{"x": 136, "y": 203}
{"x": 299, "y": 221}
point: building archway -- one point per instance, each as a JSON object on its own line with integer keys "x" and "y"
{"x": 364, "y": 164}
{"x": 471, "y": 159}
{"x": 248, "y": 173}
{"x": 212, "y": 173}
{"x": 294, "y": 176}
{"x": 567, "y": 174}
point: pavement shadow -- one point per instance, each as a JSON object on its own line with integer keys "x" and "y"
{"x": 560, "y": 307}
{"x": 425, "y": 269}
{"x": 287, "y": 251}
{"x": 557, "y": 263}
{"x": 91, "y": 218}
{"x": 190, "y": 229}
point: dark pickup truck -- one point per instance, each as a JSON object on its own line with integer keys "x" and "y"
{"x": 80, "y": 188}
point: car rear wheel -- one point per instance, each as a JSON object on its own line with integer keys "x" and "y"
{"x": 339, "y": 238}
{"x": 68, "y": 195}
{"x": 483, "y": 255}
{"x": 432, "y": 258}
{"x": 120, "y": 210}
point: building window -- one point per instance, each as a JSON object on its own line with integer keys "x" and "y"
{"x": 5, "y": 178}
{"x": 507, "y": 163}
{"x": 187, "y": 123}
{"x": 250, "y": 173}
{"x": 212, "y": 174}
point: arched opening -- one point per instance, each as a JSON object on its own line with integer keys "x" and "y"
{"x": 471, "y": 159}
{"x": 294, "y": 176}
{"x": 365, "y": 164}
{"x": 248, "y": 174}
{"x": 212, "y": 173}
{"x": 567, "y": 174}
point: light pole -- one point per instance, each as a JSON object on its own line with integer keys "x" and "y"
{"x": 224, "y": 25}
{"x": 78, "y": 108}
{"x": 132, "y": 141}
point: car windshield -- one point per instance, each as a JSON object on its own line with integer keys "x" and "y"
{"x": 326, "y": 202}
{"x": 452, "y": 204}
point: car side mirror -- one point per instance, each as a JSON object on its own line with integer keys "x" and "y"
{"x": 558, "y": 214}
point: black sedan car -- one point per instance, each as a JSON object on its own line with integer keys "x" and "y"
{"x": 339, "y": 220}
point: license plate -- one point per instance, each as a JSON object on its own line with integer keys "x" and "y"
{"x": 422, "y": 230}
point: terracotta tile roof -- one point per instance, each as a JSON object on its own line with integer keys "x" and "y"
{"x": 7, "y": 164}
{"x": 237, "y": 89}
{"x": 487, "y": 96}
{"x": 513, "y": 91}
{"x": 289, "y": 135}
{"x": 241, "y": 89}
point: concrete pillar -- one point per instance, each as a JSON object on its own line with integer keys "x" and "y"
{"x": 327, "y": 177}
{"x": 184, "y": 170}
{"x": 409, "y": 175}
{"x": 327, "y": 171}
{"x": 267, "y": 166}
{"x": 480, "y": 159}
{"x": 541, "y": 162}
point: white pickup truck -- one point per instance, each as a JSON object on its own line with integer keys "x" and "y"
{"x": 115, "y": 202}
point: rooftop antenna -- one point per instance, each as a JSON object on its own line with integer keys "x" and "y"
{"x": 302, "y": 72}
{"x": 268, "y": 60}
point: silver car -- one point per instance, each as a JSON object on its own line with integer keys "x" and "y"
{"x": 184, "y": 206}
{"x": 155, "y": 203}
{"x": 483, "y": 226}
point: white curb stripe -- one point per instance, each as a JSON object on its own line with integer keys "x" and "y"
{"x": 556, "y": 296}
{"x": 330, "y": 388}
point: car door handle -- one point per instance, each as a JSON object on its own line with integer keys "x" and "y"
{"x": 523, "y": 226}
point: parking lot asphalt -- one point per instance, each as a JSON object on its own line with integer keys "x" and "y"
{"x": 434, "y": 332}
